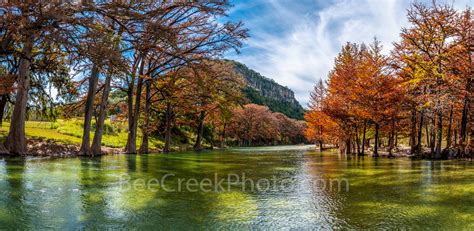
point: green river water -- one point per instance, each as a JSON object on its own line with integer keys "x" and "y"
{"x": 284, "y": 188}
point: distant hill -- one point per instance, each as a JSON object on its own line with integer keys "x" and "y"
{"x": 264, "y": 91}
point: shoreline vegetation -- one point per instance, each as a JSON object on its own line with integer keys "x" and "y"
{"x": 64, "y": 136}
{"x": 142, "y": 77}
{"x": 45, "y": 141}
{"x": 131, "y": 76}
{"x": 421, "y": 92}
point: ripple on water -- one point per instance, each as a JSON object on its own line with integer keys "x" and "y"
{"x": 83, "y": 193}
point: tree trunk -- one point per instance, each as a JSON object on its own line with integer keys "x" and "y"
{"x": 357, "y": 139}
{"x": 432, "y": 135}
{"x": 354, "y": 147}
{"x": 464, "y": 118}
{"x": 134, "y": 113}
{"x": 448, "y": 136}
{"x": 99, "y": 126}
{"x": 320, "y": 138}
{"x": 129, "y": 110}
{"x": 420, "y": 133}
{"x": 223, "y": 143}
{"x": 89, "y": 107}
{"x": 391, "y": 140}
{"x": 131, "y": 146}
{"x": 396, "y": 138}
{"x": 348, "y": 146}
{"x": 146, "y": 119}
{"x": 456, "y": 136}
{"x": 168, "y": 114}
{"x": 200, "y": 130}
{"x": 363, "y": 137}
{"x": 413, "y": 143}
{"x": 211, "y": 141}
{"x": 439, "y": 136}
{"x": 428, "y": 134}
{"x": 3, "y": 103}
{"x": 470, "y": 149}
{"x": 16, "y": 140}
{"x": 376, "y": 141}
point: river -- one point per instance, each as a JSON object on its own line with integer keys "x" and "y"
{"x": 273, "y": 188}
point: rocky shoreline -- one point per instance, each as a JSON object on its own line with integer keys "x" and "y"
{"x": 404, "y": 152}
{"x": 51, "y": 148}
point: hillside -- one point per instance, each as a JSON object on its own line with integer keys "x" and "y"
{"x": 264, "y": 91}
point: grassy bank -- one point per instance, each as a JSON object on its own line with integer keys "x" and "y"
{"x": 70, "y": 132}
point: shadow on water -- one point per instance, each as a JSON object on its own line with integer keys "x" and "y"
{"x": 92, "y": 188}
{"x": 14, "y": 211}
{"x": 131, "y": 163}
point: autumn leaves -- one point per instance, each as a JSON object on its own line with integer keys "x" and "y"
{"x": 124, "y": 46}
{"x": 425, "y": 82}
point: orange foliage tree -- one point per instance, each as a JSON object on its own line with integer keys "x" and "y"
{"x": 426, "y": 81}
{"x": 256, "y": 125}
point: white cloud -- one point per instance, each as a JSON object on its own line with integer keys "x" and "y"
{"x": 312, "y": 36}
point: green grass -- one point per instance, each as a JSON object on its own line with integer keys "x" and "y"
{"x": 43, "y": 133}
{"x": 70, "y": 132}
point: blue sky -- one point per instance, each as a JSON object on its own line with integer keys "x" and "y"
{"x": 294, "y": 42}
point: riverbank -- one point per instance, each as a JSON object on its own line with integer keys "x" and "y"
{"x": 403, "y": 151}
{"x": 63, "y": 138}
{"x": 41, "y": 147}
{"x": 50, "y": 148}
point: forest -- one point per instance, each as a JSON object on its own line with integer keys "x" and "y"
{"x": 421, "y": 93}
{"x": 140, "y": 76}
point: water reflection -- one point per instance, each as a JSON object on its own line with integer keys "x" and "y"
{"x": 88, "y": 193}
{"x": 12, "y": 194}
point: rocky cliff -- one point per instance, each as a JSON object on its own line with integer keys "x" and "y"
{"x": 264, "y": 91}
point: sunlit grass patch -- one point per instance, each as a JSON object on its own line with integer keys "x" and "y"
{"x": 52, "y": 134}
{"x": 45, "y": 131}
{"x": 70, "y": 132}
